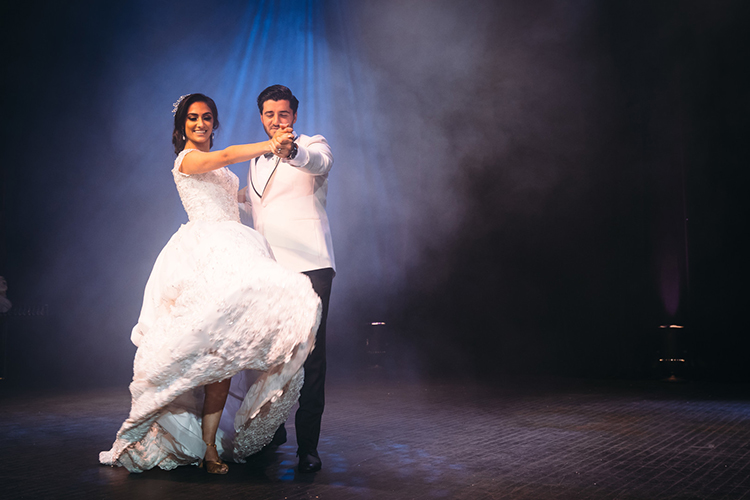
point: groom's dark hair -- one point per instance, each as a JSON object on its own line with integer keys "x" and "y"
{"x": 278, "y": 93}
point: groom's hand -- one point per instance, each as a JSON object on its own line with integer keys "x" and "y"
{"x": 283, "y": 140}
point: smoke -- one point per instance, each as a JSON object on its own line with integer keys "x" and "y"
{"x": 487, "y": 195}
{"x": 475, "y": 150}
{"x": 449, "y": 94}
{"x": 445, "y": 121}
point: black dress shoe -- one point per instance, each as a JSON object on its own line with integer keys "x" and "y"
{"x": 309, "y": 462}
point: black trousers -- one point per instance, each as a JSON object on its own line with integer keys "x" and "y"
{"x": 312, "y": 397}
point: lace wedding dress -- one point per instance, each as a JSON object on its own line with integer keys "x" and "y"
{"x": 215, "y": 306}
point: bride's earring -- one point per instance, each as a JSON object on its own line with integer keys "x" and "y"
{"x": 212, "y": 136}
{"x": 183, "y": 137}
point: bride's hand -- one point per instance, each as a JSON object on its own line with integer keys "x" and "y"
{"x": 272, "y": 146}
{"x": 282, "y": 142}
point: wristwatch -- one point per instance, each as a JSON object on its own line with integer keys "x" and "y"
{"x": 293, "y": 152}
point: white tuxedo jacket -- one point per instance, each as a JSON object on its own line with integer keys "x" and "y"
{"x": 290, "y": 210}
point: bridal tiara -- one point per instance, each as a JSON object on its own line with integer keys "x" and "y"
{"x": 177, "y": 104}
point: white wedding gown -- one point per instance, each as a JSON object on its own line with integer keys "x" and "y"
{"x": 215, "y": 306}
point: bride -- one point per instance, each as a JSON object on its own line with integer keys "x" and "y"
{"x": 224, "y": 330}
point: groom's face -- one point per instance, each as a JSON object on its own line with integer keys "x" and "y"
{"x": 277, "y": 114}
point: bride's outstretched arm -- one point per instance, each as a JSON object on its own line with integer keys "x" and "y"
{"x": 198, "y": 162}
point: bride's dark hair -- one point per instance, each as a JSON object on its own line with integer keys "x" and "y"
{"x": 180, "y": 116}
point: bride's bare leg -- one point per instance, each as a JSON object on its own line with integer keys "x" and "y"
{"x": 213, "y": 405}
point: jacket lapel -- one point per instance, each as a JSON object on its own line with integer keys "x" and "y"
{"x": 253, "y": 172}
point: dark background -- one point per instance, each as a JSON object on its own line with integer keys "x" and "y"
{"x": 518, "y": 188}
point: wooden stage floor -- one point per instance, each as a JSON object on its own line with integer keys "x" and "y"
{"x": 386, "y": 438}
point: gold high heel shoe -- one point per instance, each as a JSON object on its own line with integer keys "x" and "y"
{"x": 215, "y": 467}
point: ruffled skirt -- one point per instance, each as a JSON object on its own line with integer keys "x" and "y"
{"x": 215, "y": 306}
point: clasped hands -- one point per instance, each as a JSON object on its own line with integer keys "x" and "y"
{"x": 282, "y": 141}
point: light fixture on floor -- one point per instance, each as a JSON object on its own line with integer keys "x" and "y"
{"x": 376, "y": 344}
{"x": 673, "y": 362}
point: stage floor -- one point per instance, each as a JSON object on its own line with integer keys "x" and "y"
{"x": 385, "y": 438}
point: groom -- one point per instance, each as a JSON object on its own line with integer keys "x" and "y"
{"x": 286, "y": 194}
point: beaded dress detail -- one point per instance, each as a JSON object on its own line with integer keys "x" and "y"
{"x": 216, "y": 305}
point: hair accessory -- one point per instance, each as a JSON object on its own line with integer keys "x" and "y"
{"x": 177, "y": 104}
